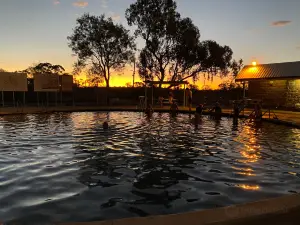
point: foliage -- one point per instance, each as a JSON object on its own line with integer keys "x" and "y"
{"x": 230, "y": 83}
{"x": 44, "y": 68}
{"x": 128, "y": 84}
{"x": 101, "y": 46}
{"x": 139, "y": 84}
{"x": 2, "y": 70}
{"x": 173, "y": 49}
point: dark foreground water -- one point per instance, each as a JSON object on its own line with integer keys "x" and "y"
{"x": 64, "y": 167}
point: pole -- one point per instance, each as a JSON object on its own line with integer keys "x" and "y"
{"x": 38, "y": 102}
{"x": 47, "y": 96}
{"x": 73, "y": 98}
{"x": 24, "y": 101}
{"x": 145, "y": 91}
{"x": 61, "y": 97}
{"x": 2, "y": 94}
{"x": 14, "y": 99}
{"x": 152, "y": 95}
{"x": 184, "y": 98}
{"x": 244, "y": 90}
{"x": 97, "y": 96}
{"x": 56, "y": 98}
{"x": 133, "y": 73}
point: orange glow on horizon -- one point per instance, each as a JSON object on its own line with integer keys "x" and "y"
{"x": 254, "y": 63}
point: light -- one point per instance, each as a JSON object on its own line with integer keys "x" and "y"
{"x": 254, "y": 63}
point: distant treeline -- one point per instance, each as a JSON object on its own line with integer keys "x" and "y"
{"x": 116, "y": 95}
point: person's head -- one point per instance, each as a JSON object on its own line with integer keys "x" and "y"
{"x": 105, "y": 125}
{"x": 187, "y": 89}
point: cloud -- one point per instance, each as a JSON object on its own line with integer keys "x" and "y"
{"x": 114, "y": 16}
{"x": 56, "y": 2}
{"x": 104, "y": 3}
{"x": 81, "y": 4}
{"x": 281, "y": 23}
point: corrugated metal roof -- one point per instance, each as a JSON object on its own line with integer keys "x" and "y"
{"x": 270, "y": 71}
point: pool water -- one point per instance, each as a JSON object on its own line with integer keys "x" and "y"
{"x": 64, "y": 167}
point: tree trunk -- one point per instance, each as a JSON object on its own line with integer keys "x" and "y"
{"x": 107, "y": 79}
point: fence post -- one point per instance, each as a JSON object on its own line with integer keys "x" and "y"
{"x": 2, "y": 94}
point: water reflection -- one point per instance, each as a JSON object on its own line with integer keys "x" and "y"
{"x": 66, "y": 162}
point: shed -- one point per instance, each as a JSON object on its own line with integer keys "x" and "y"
{"x": 277, "y": 84}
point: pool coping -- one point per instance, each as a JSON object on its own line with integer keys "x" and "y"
{"x": 39, "y": 110}
{"x": 286, "y": 207}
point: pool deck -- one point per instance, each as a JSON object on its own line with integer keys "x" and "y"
{"x": 278, "y": 211}
{"x": 284, "y": 117}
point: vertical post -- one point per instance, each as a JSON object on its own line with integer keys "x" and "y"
{"x": 97, "y": 96}
{"x": 2, "y": 94}
{"x": 38, "y": 101}
{"x": 61, "y": 97}
{"x": 244, "y": 90}
{"x": 152, "y": 95}
{"x": 133, "y": 73}
{"x": 73, "y": 98}
{"x": 14, "y": 99}
{"x": 24, "y": 100}
{"x": 145, "y": 93}
{"x": 47, "y": 96}
{"x": 56, "y": 98}
{"x": 184, "y": 98}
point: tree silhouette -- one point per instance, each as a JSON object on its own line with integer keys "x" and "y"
{"x": 173, "y": 49}
{"x": 2, "y": 70}
{"x": 44, "y": 68}
{"x": 101, "y": 45}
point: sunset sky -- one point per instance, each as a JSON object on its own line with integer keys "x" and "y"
{"x": 33, "y": 31}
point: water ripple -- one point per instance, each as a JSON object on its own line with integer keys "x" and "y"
{"x": 64, "y": 167}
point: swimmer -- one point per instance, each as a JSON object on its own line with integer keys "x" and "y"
{"x": 149, "y": 109}
{"x": 161, "y": 101}
{"x": 198, "y": 114}
{"x": 174, "y": 109}
{"x": 199, "y": 109}
{"x": 171, "y": 97}
{"x": 105, "y": 125}
{"x": 189, "y": 95}
{"x": 216, "y": 111}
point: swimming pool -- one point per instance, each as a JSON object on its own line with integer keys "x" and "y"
{"x": 63, "y": 167}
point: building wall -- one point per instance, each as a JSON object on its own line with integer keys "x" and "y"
{"x": 273, "y": 93}
{"x": 293, "y": 94}
{"x": 283, "y": 93}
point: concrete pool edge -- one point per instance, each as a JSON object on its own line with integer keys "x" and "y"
{"x": 282, "y": 208}
{"x": 38, "y": 110}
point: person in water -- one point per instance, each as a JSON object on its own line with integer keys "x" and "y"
{"x": 236, "y": 110}
{"x": 216, "y": 111}
{"x": 171, "y": 97}
{"x": 174, "y": 109}
{"x": 198, "y": 114}
{"x": 258, "y": 112}
{"x": 199, "y": 109}
{"x": 149, "y": 110}
{"x": 189, "y": 95}
{"x": 161, "y": 101}
{"x": 105, "y": 125}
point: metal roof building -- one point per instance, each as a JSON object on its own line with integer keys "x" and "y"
{"x": 277, "y": 84}
{"x": 270, "y": 71}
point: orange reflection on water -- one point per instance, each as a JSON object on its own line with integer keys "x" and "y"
{"x": 246, "y": 174}
{"x": 251, "y": 151}
{"x": 244, "y": 171}
{"x": 249, "y": 187}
